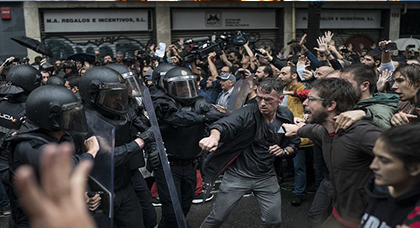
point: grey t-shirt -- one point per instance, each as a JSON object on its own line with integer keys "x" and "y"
{"x": 256, "y": 161}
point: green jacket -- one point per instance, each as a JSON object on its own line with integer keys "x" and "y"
{"x": 380, "y": 108}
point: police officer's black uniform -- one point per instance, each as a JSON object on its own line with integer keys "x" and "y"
{"x": 45, "y": 114}
{"x": 138, "y": 124}
{"x": 21, "y": 80}
{"x": 105, "y": 95}
{"x": 182, "y": 117}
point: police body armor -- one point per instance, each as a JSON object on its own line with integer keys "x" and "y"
{"x": 12, "y": 116}
{"x": 122, "y": 136}
{"x": 183, "y": 142}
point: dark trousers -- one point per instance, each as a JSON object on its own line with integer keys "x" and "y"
{"x": 185, "y": 179}
{"x": 144, "y": 197}
{"x": 127, "y": 209}
{"x": 321, "y": 207}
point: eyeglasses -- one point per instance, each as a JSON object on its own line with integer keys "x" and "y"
{"x": 266, "y": 99}
{"x": 310, "y": 99}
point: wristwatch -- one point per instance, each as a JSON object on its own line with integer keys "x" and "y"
{"x": 287, "y": 152}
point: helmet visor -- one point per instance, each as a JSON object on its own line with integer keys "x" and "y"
{"x": 133, "y": 84}
{"x": 184, "y": 87}
{"x": 113, "y": 98}
{"x": 74, "y": 119}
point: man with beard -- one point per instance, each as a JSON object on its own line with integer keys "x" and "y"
{"x": 347, "y": 153}
{"x": 289, "y": 77}
{"x": 377, "y": 107}
{"x": 406, "y": 84}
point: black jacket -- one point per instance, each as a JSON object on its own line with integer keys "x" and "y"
{"x": 26, "y": 149}
{"x": 182, "y": 125}
{"x": 386, "y": 211}
{"x": 238, "y": 131}
{"x": 347, "y": 155}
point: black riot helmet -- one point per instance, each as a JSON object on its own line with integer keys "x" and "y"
{"x": 105, "y": 88}
{"x": 159, "y": 72}
{"x": 55, "y": 80}
{"x": 56, "y": 108}
{"x": 130, "y": 78}
{"x": 22, "y": 78}
{"x": 181, "y": 84}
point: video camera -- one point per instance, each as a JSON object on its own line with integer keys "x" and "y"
{"x": 200, "y": 47}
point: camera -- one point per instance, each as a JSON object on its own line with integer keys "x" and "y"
{"x": 200, "y": 47}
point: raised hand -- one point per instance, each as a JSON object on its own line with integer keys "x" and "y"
{"x": 383, "y": 79}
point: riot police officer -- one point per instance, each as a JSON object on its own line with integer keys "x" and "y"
{"x": 21, "y": 80}
{"x": 51, "y": 113}
{"x": 139, "y": 124}
{"x": 156, "y": 89}
{"x": 105, "y": 95}
{"x": 182, "y": 117}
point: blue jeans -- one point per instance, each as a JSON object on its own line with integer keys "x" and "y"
{"x": 299, "y": 162}
{"x": 266, "y": 191}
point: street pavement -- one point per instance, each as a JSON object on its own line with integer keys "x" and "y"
{"x": 245, "y": 215}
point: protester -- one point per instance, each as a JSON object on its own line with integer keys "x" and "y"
{"x": 377, "y": 107}
{"x": 289, "y": 77}
{"x": 227, "y": 82}
{"x": 247, "y": 135}
{"x": 395, "y": 188}
{"x": 347, "y": 153}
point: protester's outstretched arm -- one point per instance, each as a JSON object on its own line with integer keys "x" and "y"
{"x": 386, "y": 61}
{"x": 210, "y": 143}
{"x": 383, "y": 80}
{"x": 225, "y": 60}
{"x": 212, "y": 67}
{"x": 58, "y": 201}
{"x": 8, "y": 60}
{"x": 194, "y": 68}
{"x": 251, "y": 55}
{"x": 331, "y": 44}
{"x": 314, "y": 60}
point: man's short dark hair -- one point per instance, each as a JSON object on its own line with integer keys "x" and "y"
{"x": 411, "y": 72}
{"x": 362, "y": 73}
{"x": 376, "y": 55}
{"x": 268, "y": 70}
{"x": 338, "y": 90}
{"x": 269, "y": 84}
{"x": 73, "y": 81}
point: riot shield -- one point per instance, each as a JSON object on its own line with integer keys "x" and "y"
{"x": 101, "y": 178}
{"x": 239, "y": 95}
{"x": 142, "y": 96}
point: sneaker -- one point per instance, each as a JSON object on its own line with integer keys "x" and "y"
{"x": 288, "y": 187}
{"x": 156, "y": 202}
{"x": 199, "y": 198}
{"x": 5, "y": 210}
{"x": 297, "y": 200}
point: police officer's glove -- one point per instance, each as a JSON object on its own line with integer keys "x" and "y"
{"x": 147, "y": 136}
{"x": 153, "y": 160}
{"x": 213, "y": 115}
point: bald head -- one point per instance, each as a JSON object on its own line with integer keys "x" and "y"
{"x": 323, "y": 71}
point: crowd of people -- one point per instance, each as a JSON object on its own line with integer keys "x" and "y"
{"x": 344, "y": 122}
